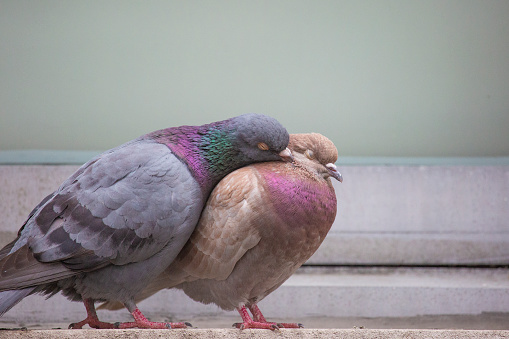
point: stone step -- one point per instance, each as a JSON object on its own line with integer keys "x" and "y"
{"x": 318, "y": 293}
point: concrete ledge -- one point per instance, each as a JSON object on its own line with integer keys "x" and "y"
{"x": 312, "y": 295}
{"x": 233, "y": 333}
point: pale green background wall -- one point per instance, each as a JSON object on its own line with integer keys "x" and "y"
{"x": 380, "y": 78}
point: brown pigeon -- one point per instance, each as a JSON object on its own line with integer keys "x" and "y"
{"x": 123, "y": 217}
{"x": 260, "y": 224}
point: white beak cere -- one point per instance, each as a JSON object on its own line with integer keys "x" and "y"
{"x": 333, "y": 170}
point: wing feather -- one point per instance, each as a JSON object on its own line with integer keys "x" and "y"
{"x": 119, "y": 208}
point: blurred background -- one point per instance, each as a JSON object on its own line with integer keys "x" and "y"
{"x": 380, "y": 78}
{"x": 415, "y": 94}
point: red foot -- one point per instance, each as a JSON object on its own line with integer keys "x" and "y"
{"x": 290, "y": 325}
{"x": 141, "y": 322}
{"x": 254, "y": 324}
{"x": 94, "y": 323}
{"x": 258, "y": 316}
{"x": 91, "y": 319}
{"x": 259, "y": 321}
{"x": 267, "y": 325}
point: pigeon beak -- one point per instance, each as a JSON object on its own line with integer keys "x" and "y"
{"x": 333, "y": 171}
{"x": 286, "y": 155}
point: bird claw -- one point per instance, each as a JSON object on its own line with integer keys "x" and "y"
{"x": 140, "y": 321}
{"x": 290, "y": 325}
{"x": 152, "y": 325}
{"x": 93, "y": 323}
{"x": 266, "y": 325}
{"x": 178, "y": 325}
{"x": 255, "y": 324}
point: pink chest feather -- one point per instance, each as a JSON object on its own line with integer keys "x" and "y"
{"x": 298, "y": 199}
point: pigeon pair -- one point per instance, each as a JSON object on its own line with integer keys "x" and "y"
{"x": 121, "y": 227}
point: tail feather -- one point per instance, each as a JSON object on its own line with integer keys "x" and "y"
{"x": 8, "y": 299}
{"x": 21, "y": 269}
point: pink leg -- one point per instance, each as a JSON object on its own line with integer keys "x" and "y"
{"x": 91, "y": 318}
{"x": 257, "y": 314}
{"x": 247, "y": 322}
{"x": 258, "y": 317}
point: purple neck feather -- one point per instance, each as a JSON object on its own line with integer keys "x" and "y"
{"x": 190, "y": 144}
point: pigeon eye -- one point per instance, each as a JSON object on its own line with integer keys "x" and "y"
{"x": 263, "y": 146}
{"x": 309, "y": 154}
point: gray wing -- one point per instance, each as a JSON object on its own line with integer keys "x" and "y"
{"x": 123, "y": 206}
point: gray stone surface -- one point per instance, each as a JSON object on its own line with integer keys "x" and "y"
{"x": 420, "y": 215}
{"x": 484, "y": 321}
{"x": 233, "y": 333}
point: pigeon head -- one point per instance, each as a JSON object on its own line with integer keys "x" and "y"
{"x": 316, "y": 153}
{"x": 213, "y": 150}
{"x": 260, "y": 138}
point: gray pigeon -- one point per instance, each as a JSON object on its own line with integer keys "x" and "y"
{"x": 260, "y": 224}
{"x": 122, "y": 218}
